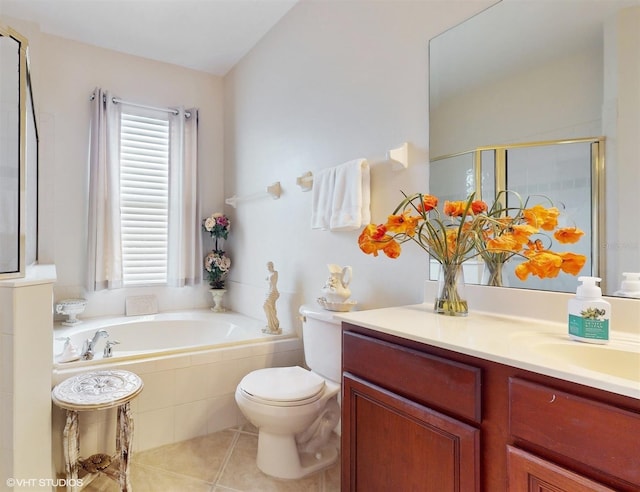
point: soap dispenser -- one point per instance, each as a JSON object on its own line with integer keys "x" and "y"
{"x": 589, "y": 313}
{"x": 630, "y": 285}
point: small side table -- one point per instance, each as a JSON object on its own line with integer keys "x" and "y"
{"x": 98, "y": 390}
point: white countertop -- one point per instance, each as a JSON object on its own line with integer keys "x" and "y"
{"x": 526, "y": 343}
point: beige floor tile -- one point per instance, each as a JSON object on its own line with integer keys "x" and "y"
{"x": 201, "y": 458}
{"x": 242, "y": 473}
{"x": 150, "y": 479}
{"x": 332, "y": 477}
{"x": 194, "y": 466}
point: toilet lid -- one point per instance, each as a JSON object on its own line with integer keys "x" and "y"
{"x": 286, "y": 384}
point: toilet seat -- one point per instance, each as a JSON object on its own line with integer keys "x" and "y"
{"x": 282, "y": 386}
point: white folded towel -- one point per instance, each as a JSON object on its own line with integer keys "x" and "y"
{"x": 322, "y": 198}
{"x": 351, "y": 196}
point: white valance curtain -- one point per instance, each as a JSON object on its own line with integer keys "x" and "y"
{"x": 104, "y": 250}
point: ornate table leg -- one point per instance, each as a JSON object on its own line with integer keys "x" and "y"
{"x": 71, "y": 450}
{"x": 124, "y": 438}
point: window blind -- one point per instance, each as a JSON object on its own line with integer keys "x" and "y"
{"x": 144, "y": 197}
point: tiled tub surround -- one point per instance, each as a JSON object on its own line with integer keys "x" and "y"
{"x": 186, "y": 394}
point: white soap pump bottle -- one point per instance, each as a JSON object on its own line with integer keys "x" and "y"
{"x": 589, "y": 313}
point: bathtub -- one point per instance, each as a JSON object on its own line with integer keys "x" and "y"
{"x": 159, "y": 335}
{"x": 190, "y": 363}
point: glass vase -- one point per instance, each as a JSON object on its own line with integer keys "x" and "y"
{"x": 492, "y": 274}
{"x": 450, "y": 299}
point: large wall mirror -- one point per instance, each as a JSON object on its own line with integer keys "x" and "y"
{"x": 18, "y": 158}
{"x": 547, "y": 79}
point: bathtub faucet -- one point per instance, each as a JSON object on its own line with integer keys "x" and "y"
{"x": 90, "y": 344}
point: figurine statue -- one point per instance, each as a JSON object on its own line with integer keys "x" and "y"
{"x": 269, "y": 306}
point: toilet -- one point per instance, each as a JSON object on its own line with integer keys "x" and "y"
{"x": 296, "y": 409}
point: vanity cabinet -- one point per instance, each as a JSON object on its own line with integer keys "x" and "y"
{"x": 402, "y": 431}
{"x": 420, "y": 418}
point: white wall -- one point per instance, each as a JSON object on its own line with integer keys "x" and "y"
{"x": 333, "y": 81}
{"x": 575, "y": 80}
{"x": 68, "y": 72}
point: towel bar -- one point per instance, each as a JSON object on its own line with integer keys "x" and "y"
{"x": 274, "y": 190}
{"x": 398, "y": 157}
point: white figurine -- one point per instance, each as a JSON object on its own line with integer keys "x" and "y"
{"x": 269, "y": 306}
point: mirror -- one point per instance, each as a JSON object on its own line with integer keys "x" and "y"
{"x": 12, "y": 153}
{"x": 524, "y": 72}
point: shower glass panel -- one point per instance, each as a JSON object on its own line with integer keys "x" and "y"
{"x": 9, "y": 156}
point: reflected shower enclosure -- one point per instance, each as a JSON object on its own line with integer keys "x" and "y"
{"x": 565, "y": 173}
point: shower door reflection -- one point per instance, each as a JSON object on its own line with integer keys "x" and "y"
{"x": 562, "y": 173}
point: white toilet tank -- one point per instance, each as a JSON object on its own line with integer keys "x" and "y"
{"x": 322, "y": 341}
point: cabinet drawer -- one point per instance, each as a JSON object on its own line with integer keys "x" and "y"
{"x": 430, "y": 380}
{"x": 598, "y": 435}
{"x": 527, "y": 473}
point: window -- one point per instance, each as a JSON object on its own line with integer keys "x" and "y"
{"x": 144, "y": 197}
{"x": 143, "y": 223}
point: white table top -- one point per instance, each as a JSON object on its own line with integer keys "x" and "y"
{"x": 97, "y": 390}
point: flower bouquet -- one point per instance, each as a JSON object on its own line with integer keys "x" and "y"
{"x": 217, "y": 225}
{"x": 448, "y": 237}
{"x": 216, "y": 263}
{"x": 468, "y": 228}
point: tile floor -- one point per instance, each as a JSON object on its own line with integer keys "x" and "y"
{"x": 220, "y": 462}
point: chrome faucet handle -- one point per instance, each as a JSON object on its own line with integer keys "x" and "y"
{"x": 108, "y": 349}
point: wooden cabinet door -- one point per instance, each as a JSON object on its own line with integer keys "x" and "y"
{"x": 391, "y": 443}
{"x": 528, "y": 473}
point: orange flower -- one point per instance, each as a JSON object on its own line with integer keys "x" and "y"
{"x": 454, "y": 209}
{"x": 572, "y": 263}
{"x": 429, "y": 202}
{"x": 374, "y": 238}
{"x": 522, "y": 232}
{"x": 378, "y": 233}
{"x": 568, "y": 235}
{"x": 403, "y": 224}
{"x": 392, "y": 249}
{"x": 543, "y": 264}
{"x": 506, "y": 242}
{"x": 452, "y": 240}
{"x": 534, "y": 247}
{"x": 478, "y": 206}
{"x": 543, "y": 218}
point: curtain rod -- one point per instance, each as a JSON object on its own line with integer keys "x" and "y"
{"x": 116, "y": 100}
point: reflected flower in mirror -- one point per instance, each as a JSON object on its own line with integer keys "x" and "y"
{"x": 522, "y": 231}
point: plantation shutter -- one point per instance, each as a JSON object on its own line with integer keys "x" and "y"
{"x": 144, "y": 186}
